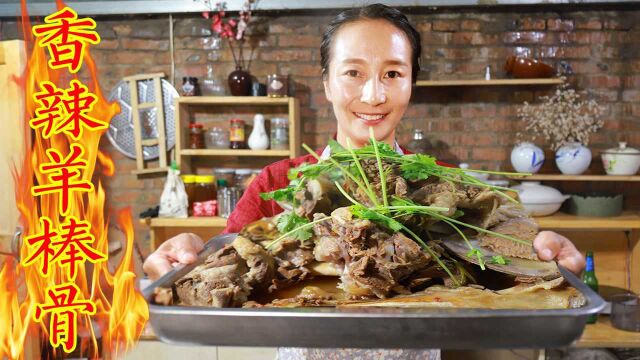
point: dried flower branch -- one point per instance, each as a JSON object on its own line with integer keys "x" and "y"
{"x": 561, "y": 118}
{"x": 230, "y": 29}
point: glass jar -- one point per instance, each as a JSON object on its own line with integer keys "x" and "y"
{"x": 277, "y": 85}
{"x": 189, "y": 187}
{"x": 196, "y": 136}
{"x": 205, "y": 194}
{"x": 241, "y": 178}
{"x": 225, "y": 174}
{"x": 227, "y": 199}
{"x": 236, "y": 134}
{"x": 419, "y": 144}
{"x": 279, "y": 134}
{"x": 211, "y": 85}
{"x": 217, "y": 138}
{"x": 205, "y": 188}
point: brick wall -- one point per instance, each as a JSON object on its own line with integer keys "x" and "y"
{"x": 602, "y": 45}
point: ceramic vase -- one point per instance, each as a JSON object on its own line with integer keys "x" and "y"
{"x": 573, "y": 158}
{"x": 240, "y": 82}
{"x": 527, "y": 158}
{"x": 258, "y": 140}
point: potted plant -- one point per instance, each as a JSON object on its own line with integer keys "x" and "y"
{"x": 566, "y": 121}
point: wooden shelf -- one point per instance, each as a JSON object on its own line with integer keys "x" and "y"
{"x": 561, "y": 221}
{"x": 190, "y": 222}
{"x": 234, "y": 152}
{"x": 603, "y": 334}
{"x": 493, "y": 82}
{"x": 233, "y": 100}
{"x": 559, "y": 177}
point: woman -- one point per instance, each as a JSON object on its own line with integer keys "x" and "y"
{"x": 370, "y": 61}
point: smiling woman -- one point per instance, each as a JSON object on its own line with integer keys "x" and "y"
{"x": 370, "y": 60}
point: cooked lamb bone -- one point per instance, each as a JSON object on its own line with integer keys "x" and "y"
{"x": 228, "y": 276}
{"x": 521, "y": 228}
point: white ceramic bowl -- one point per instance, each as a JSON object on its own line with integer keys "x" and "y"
{"x": 539, "y": 200}
{"x": 545, "y": 209}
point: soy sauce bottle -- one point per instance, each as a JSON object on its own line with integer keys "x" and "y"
{"x": 589, "y": 278}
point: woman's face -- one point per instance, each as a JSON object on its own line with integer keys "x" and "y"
{"x": 369, "y": 80}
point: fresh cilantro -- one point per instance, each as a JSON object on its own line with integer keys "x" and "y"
{"x": 478, "y": 255}
{"x": 419, "y": 167}
{"x": 335, "y": 147}
{"x": 368, "y": 214}
{"x": 383, "y": 149}
{"x": 283, "y": 195}
{"x": 499, "y": 260}
{"x": 311, "y": 171}
{"x": 297, "y": 225}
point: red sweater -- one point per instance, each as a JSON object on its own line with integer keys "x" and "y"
{"x": 251, "y": 207}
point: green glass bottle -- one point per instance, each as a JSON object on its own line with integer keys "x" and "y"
{"x": 589, "y": 278}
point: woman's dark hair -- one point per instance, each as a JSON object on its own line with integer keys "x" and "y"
{"x": 372, "y": 12}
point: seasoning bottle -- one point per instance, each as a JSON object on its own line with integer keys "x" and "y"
{"x": 225, "y": 174}
{"x": 258, "y": 140}
{"x": 236, "y": 134}
{"x": 196, "y": 136}
{"x": 589, "y": 278}
{"x": 419, "y": 144}
{"x": 189, "y": 187}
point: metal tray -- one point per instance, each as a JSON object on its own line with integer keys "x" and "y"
{"x": 366, "y": 327}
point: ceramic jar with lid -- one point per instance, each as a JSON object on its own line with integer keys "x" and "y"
{"x": 539, "y": 200}
{"x": 526, "y": 157}
{"x": 622, "y": 160}
{"x": 573, "y": 158}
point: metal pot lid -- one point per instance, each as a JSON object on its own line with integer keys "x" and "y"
{"x": 622, "y": 149}
{"x": 531, "y": 192}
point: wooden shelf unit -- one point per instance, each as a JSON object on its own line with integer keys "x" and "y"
{"x": 194, "y": 221}
{"x": 232, "y": 152}
{"x": 492, "y": 82}
{"x": 184, "y": 105}
{"x": 560, "y": 221}
{"x": 560, "y": 177}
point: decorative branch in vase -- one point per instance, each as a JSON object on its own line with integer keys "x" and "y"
{"x": 566, "y": 121}
{"x": 234, "y": 31}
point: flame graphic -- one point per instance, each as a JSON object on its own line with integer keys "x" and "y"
{"x": 121, "y": 311}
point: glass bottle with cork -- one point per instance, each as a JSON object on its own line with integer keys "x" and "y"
{"x": 589, "y": 278}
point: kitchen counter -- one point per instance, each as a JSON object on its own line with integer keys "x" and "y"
{"x": 603, "y": 334}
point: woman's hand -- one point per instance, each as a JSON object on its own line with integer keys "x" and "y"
{"x": 180, "y": 249}
{"x": 550, "y": 245}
